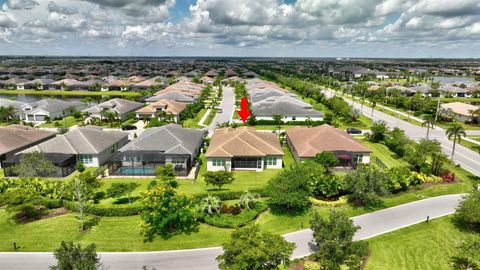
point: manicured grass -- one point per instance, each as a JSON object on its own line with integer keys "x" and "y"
{"x": 69, "y": 93}
{"x": 464, "y": 125}
{"x": 193, "y": 122}
{"x": 65, "y": 122}
{"x": 210, "y": 117}
{"x": 111, "y": 234}
{"x": 382, "y": 152}
{"x": 423, "y": 246}
{"x": 287, "y": 157}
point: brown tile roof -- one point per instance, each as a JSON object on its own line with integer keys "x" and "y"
{"x": 188, "y": 87}
{"x": 243, "y": 141}
{"x": 171, "y": 106}
{"x": 16, "y": 137}
{"x": 310, "y": 141}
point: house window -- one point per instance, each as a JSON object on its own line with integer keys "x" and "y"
{"x": 271, "y": 161}
{"x": 86, "y": 159}
{"x": 218, "y": 162}
{"x": 359, "y": 158}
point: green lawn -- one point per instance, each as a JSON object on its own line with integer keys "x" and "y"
{"x": 382, "y": 152}
{"x": 193, "y": 122}
{"x": 287, "y": 157}
{"x": 464, "y": 125}
{"x": 423, "y": 246}
{"x": 65, "y": 122}
{"x": 210, "y": 117}
{"x": 69, "y": 93}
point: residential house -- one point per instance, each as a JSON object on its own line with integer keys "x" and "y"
{"x": 161, "y": 109}
{"x": 146, "y": 85}
{"x": 122, "y": 107}
{"x": 243, "y": 148}
{"x": 13, "y": 83}
{"x": 169, "y": 144}
{"x": 116, "y": 85}
{"x": 38, "y": 84}
{"x": 52, "y": 108}
{"x": 16, "y": 105}
{"x": 305, "y": 143}
{"x": 91, "y": 146}
{"x": 16, "y": 138}
{"x": 70, "y": 84}
{"x": 460, "y": 111}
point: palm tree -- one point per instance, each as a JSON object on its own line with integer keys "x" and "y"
{"x": 429, "y": 123}
{"x": 6, "y": 113}
{"x": 457, "y": 132}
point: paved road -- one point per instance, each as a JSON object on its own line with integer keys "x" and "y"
{"x": 227, "y": 104}
{"x": 467, "y": 158}
{"x": 371, "y": 224}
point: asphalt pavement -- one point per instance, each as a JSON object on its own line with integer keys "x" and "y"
{"x": 371, "y": 224}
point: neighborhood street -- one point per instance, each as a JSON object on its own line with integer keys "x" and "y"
{"x": 371, "y": 224}
{"x": 227, "y": 105}
{"x": 467, "y": 158}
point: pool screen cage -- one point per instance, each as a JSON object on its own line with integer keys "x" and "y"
{"x": 131, "y": 163}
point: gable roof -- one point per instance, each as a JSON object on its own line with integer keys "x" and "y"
{"x": 15, "y": 104}
{"x": 243, "y": 141}
{"x": 282, "y": 108}
{"x": 176, "y": 96}
{"x": 169, "y": 139}
{"x": 310, "y": 141}
{"x": 121, "y": 106}
{"x": 82, "y": 140}
{"x": 54, "y": 105}
{"x": 15, "y": 137}
{"x": 170, "y": 106}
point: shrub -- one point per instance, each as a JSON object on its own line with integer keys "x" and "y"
{"x": 231, "y": 209}
{"x": 321, "y": 203}
{"x": 249, "y": 200}
{"x": 398, "y": 179}
{"x": 52, "y": 203}
{"x": 79, "y": 167}
{"x": 108, "y": 211}
{"x": 311, "y": 266}
{"x": 468, "y": 211}
{"x": 234, "y": 221}
{"x": 448, "y": 176}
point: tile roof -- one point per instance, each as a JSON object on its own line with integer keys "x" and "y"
{"x": 81, "y": 140}
{"x": 243, "y": 141}
{"x": 310, "y": 141}
{"x": 170, "y": 139}
{"x": 459, "y": 108}
{"x": 170, "y": 106}
{"x": 121, "y": 106}
{"x": 15, "y": 137}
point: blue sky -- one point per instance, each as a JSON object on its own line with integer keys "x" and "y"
{"x": 290, "y": 28}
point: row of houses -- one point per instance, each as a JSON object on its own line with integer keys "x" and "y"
{"x": 110, "y": 83}
{"x": 426, "y": 89}
{"x": 230, "y": 149}
{"x": 268, "y": 99}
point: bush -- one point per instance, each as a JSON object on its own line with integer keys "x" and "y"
{"x": 448, "y": 176}
{"x": 421, "y": 178}
{"x": 52, "y": 203}
{"x": 368, "y": 199}
{"x": 79, "y": 167}
{"x": 311, "y": 266}
{"x": 234, "y": 221}
{"x": 468, "y": 211}
{"x": 108, "y": 211}
{"x": 98, "y": 196}
{"x": 398, "y": 180}
{"x": 230, "y": 209}
{"x": 321, "y": 203}
{"x": 230, "y": 195}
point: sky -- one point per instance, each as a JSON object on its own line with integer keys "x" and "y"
{"x": 252, "y": 28}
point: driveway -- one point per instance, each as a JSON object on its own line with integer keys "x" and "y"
{"x": 371, "y": 224}
{"x": 227, "y": 106}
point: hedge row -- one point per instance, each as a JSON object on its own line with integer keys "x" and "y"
{"x": 108, "y": 211}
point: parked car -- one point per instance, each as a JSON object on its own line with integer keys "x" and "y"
{"x": 129, "y": 127}
{"x": 353, "y": 131}
{"x": 219, "y": 111}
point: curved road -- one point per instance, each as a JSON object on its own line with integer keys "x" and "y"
{"x": 371, "y": 224}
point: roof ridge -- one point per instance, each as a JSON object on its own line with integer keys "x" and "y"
{"x": 88, "y": 141}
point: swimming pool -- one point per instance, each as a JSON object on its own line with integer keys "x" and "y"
{"x": 137, "y": 171}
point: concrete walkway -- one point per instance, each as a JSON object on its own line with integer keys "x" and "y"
{"x": 371, "y": 224}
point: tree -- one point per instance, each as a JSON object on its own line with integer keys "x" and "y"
{"x": 457, "y": 132}
{"x": 468, "y": 255}
{"x": 333, "y": 238}
{"x": 468, "y": 211}
{"x": 34, "y": 164}
{"x": 6, "y": 113}
{"x": 366, "y": 183}
{"x": 289, "y": 190}
{"x": 250, "y": 248}
{"x": 429, "y": 123}
{"x": 110, "y": 116}
{"x": 327, "y": 159}
{"x": 166, "y": 212}
{"x": 27, "y": 201}
{"x": 122, "y": 188}
{"x": 417, "y": 154}
{"x": 219, "y": 178}
{"x": 79, "y": 192}
{"x": 277, "y": 119}
{"x": 379, "y": 129}
{"x": 166, "y": 173}
{"x": 73, "y": 257}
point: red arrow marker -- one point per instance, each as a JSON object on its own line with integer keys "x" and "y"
{"x": 244, "y": 113}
